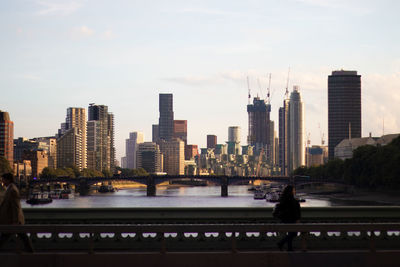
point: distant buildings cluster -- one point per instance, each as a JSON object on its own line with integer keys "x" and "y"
{"x": 81, "y": 142}
{"x": 87, "y": 142}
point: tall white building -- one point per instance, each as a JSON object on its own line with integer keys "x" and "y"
{"x": 131, "y": 148}
{"x": 296, "y": 130}
{"x": 100, "y": 138}
{"x": 76, "y": 119}
{"x": 234, "y": 134}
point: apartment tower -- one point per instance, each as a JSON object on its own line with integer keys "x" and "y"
{"x": 344, "y": 108}
{"x": 6, "y": 137}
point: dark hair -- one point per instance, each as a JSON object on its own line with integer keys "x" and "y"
{"x": 8, "y": 176}
{"x": 287, "y": 193}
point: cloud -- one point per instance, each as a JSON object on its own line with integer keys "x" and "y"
{"x": 31, "y": 77}
{"x": 82, "y": 31}
{"x": 57, "y": 7}
{"x": 108, "y": 35}
{"x": 380, "y": 101}
{"x": 356, "y": 7}
{"x": 205, "y": 11}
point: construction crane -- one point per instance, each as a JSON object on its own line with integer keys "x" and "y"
{"x": 248, "y": 87}
{"x": 259, "y": 162}
{"x": 268, "y": 90}
{"x": 259, "y": 87}
{"x": 321, "y": 135}
{"x": 287, "y": 85}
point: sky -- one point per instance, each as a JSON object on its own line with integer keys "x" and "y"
{"x": 56, "y": 54}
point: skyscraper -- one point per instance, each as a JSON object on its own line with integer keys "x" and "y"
{"x": 211, "y": 141}
{"x": 234, "y": 140}
{"x": 284, "y": 137}
{"x": 180, "y": 130}
{"x": 174, "y": 156}
{"x": 291, "y": 133}
{"x": 155, "y": 133}
{"x": 100, "y": 138}
{"x": 76, "y": 118}
{"x": 259, "y": 125}
{"x": 6, "y": 137}
{"x": 69, "y": 147}
{"x": 191, "y": 151}
{"x": 344, "y": 107}
{"x": 234, "y": 134}
{"x": 166, "y": 120}
{"x": 131, "y": 147}
{"x": 296, "y": 130}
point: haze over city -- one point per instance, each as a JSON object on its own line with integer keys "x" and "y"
{"x": 60, "y": 54}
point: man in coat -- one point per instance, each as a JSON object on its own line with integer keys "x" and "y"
{"x": 11, "y": 211}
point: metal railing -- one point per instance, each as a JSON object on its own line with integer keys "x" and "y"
{"x": 205, "y": 237}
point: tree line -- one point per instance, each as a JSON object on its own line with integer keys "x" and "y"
{"x": 74, "y": 172}
{"x": 370, "y": 166}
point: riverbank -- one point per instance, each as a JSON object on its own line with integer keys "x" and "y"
{"x": 363, "y": 197}
{"x": 359, "y": 196}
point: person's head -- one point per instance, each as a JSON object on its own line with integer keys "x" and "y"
{"x": 7, "y": 178}
{"x": 288, "y": 192}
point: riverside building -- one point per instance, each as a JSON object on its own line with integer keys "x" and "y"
{"x": 149, "y": 157}
{"x": 344, "y": 108}
{"x": 6, "y": 137}
{"x": 131, "y": 148}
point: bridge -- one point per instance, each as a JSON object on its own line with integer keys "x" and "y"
{"x": 151, "y": 181}
{"x": 347, "y": 236}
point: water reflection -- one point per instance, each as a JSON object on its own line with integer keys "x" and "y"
{"x": 175, "y": 196}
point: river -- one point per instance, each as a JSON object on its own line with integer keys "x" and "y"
{"x": 180, "y": 196}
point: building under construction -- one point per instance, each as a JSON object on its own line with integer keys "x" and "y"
{"x": 260, "y": 128}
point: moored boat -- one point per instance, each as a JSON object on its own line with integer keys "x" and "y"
{"x": 106, "y": 188}
{"x": 37, "y": 198}
{"x": 259, "y": 194}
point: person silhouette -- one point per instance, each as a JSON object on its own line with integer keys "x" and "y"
{"x": 11, "y": 211}
{"x": 289, "y": 213}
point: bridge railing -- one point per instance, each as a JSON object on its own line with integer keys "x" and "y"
{"x": 214, "y": 215}
{"x": 206, "y": 237}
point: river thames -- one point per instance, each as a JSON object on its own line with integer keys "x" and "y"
{"x": 181, "y": 196}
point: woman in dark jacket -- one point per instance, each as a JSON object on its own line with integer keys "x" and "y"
{"x": 289, "y": 213}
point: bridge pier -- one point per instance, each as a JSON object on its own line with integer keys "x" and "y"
{"x": 151, "y": 187}
{"x": 83, "y": 187}
{"x": 224, "y": 186}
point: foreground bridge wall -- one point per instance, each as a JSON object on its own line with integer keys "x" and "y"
{"x": 205, "y": 215}
{"x": 206, "y": 259}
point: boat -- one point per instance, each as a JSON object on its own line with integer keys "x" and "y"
{"x": 37, "y": 198}
{"x": 272, "y": 196}
{"x": 66, "y": 193}
{"x": 259, "y": 194}
{"x": 106, "y": 188}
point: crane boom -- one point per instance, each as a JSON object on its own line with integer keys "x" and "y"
{"x": 287, "y": 85}
{"x": 268, "y": 90}
{"x": 248, "y": 87}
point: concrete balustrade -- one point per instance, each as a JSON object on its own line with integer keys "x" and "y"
{"x": 335, "y": 236}
{"x": 207, "y": 237}
{"x": 205, "y": 215}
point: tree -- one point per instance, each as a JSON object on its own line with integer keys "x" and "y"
{"x": 91, "y": 173}
{"x": 48, "y": 172}
{"x": 4, "y": 166}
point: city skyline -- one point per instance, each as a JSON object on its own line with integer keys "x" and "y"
{"x": 201, "y": 54}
